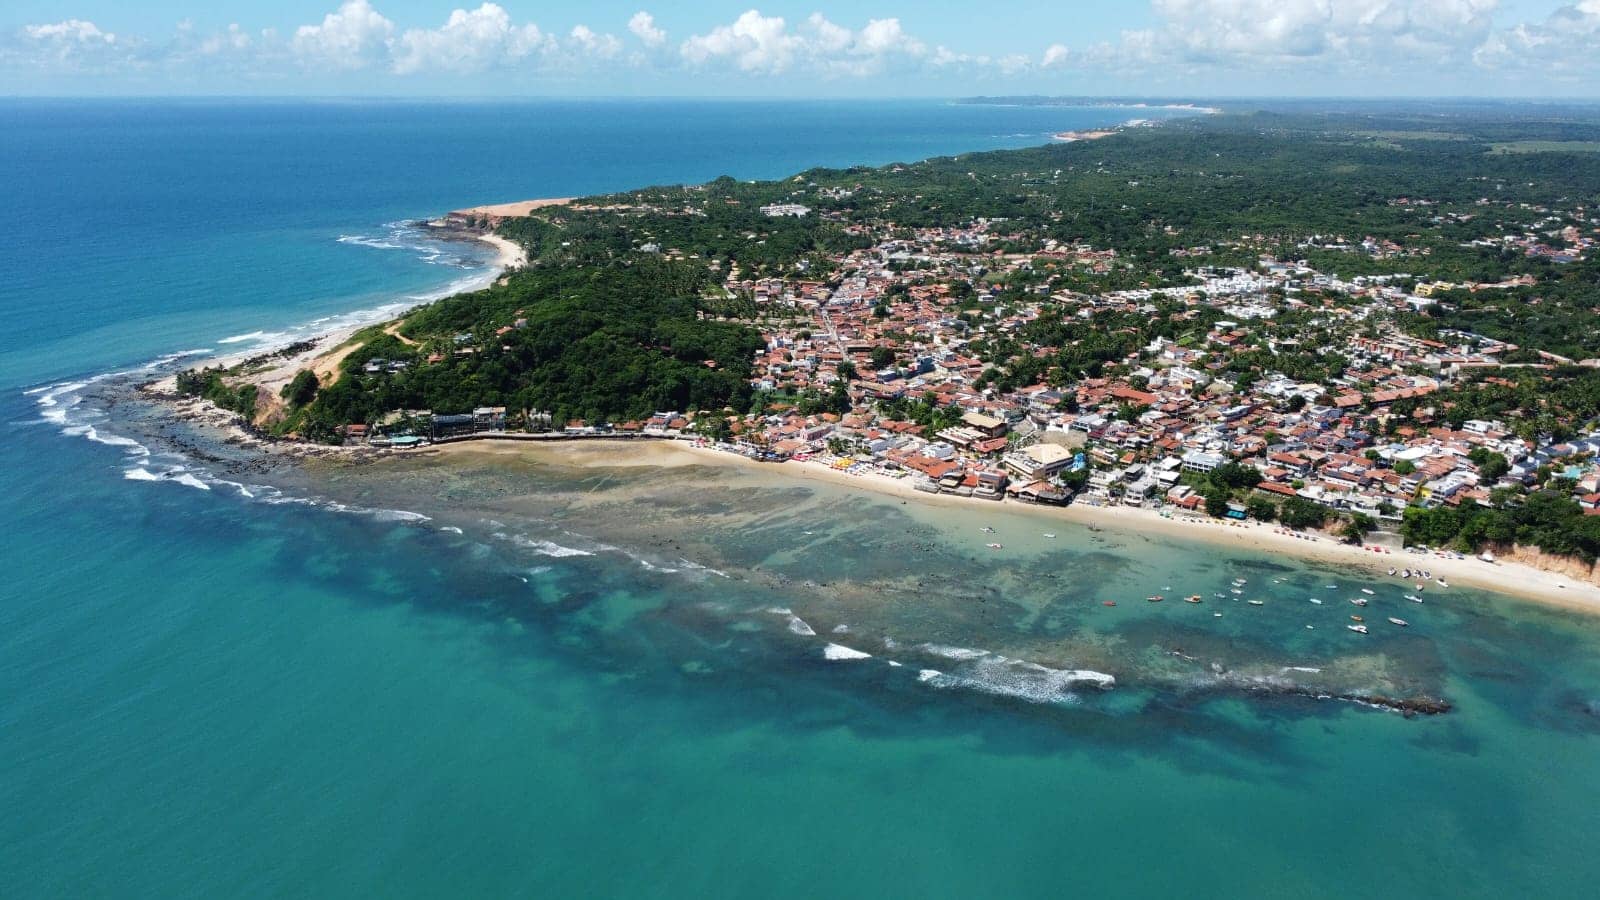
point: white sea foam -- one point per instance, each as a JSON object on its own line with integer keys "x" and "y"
{"x": 287, "y": 500}
{"x": 137, "y": 474}
{"x": 1003, "y": 677}
{"x": 541, "y": 547}
{"x": 397, "y": 515}
{"x": 89, "y": 432}
{"x": 56, "y": 401}
{"x": 799, "y": 626}
{"x": 841, "y": 652}
{"x": 694, "y": 566}
{"x": 451, "y": 529}
{"x": 408, "y": 237}
{"x": 257, "y": 337}
{"x": 184, "y": 478}
{"x": 374, "y": 243}
{"x": 954, "y": 652}
{"x": 170, "y": 358}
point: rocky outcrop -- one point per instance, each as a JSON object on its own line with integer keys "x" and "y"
{"x": 1570, "y": 566}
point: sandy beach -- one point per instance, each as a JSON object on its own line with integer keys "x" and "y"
{"x": 1070, "y": 136}
{"x": 511, "y": 255}
{"x": 1512, "y": 579}
{"x": 326, "y": 351}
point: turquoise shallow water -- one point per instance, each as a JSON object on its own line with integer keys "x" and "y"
{"x": 207, "y": 694}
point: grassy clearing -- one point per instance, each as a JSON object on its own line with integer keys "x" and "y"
{"x": 1546, "y": 147}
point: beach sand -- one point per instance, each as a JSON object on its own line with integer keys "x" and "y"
{"x": 1512, "y": 579}
{"x": 510, "y": 255}
{"x": 512, "y": 210}
{"x": 1070, "y": 136}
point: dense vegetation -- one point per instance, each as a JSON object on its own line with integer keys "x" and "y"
{"x": 622, "y": 310}
{"x": 209, "y": 384}
{"x": 1544, "y": 519}
{"x": 602, "y": 343}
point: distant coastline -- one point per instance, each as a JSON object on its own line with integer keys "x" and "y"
{"x": 1093, "y": 102}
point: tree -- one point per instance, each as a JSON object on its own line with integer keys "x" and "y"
{"x": 1491, "y": 465}
{"x": 1261, "y": 508}
{"x": 1298, "y": 512}
{"x": 1404, "y": 467}
{"x": 302, "y": 389}
{"x": 882, "y": 357}
{"x": 1357, "y": 528}
{"x": 1216, "y": 502}
{"x": 1236, "y": 475}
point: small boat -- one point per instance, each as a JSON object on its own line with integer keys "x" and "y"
{"x": 1316, "y": 601}
{"x": 1108, "y": 603}
{"x": 1391, "y": 571}
{"x": 1192, "y": 598}
{"x": 1358, "y": 629}
{"x": 994, "y": 546}
{"x": 1413, "y": 598}
{"x": 1442, "y": 582}
{"x": 1240, "y": 581}
{"x": 988, "y": 530}
{"x": 1049, "y": 535}
{"x": 1426, "y": 574}
{"x": 1401, "y": 622}
{"x": 1359, "y": 601}
{"x": 1406, "y": 574}
{"x": 1237, "y": 591}
{"x": 1333, "y": 587}
{"x": 1367, "y": 591}
{"x": 1357, "y": 619}
{"x": 1256, "y": 602}
{"x": 1155, "y": 598}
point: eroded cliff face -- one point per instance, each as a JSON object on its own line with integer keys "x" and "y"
{"x": 1569, "y": 566}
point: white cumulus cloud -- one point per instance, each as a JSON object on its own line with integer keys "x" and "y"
{"x": 1256, "y": 34}
{"x": 592, "y": 44}
{"x": 643, "y": 27}
{"x": 763, "y": 44}
{"x": 70, "y": 31}
{"x": 1566, "y": 45}
{"x": 352, "y": 37}
{"x": 469, "y": 41}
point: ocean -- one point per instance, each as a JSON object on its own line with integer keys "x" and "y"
{"x": 625, "y": 673}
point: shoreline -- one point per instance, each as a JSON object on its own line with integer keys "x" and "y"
{"x": 1511, "y": 579}
{"x": 324, "y": 352}
{"x": 509, "y": 254}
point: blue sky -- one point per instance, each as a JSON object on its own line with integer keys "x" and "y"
{"x": 1532, "y": 48}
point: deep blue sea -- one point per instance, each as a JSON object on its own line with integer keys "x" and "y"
{"x": 574, "y": 677}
